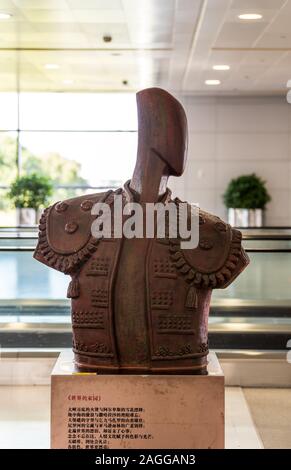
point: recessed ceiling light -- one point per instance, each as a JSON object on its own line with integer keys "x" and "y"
{"x": 68, "y": 81}
{"x": 212, "y": 82}
{"x": 5, "y": 16}
{"x": 51, "y": 66}
{"x": 221, "y": 67}
{"x": 250, "y": 16}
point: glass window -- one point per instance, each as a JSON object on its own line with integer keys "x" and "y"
{"x": 8, "y": 111}
{"x": 7, "y": 212}
{"x": 8, "y": 157}
{"x": 83, "y": 141}
{"x": 79, "y": 159}
{"x": 8, "y": 171}
{"x": 78, "y": 111}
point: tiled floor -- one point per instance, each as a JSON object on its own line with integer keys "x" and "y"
{"x": 271, "y": 412}
{"x": 240, "y": 432}
{"x": 24, "y": 417}
{"x": 25, "y": 410}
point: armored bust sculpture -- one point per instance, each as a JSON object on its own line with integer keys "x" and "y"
{"x": 140, "y": 305}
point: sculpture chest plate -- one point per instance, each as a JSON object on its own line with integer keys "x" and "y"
{"x": 138, "y": 305}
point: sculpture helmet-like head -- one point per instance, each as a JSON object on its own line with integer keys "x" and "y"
{"x": 162, "y": 128}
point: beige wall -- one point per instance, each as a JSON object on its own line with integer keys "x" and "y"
{"x": 230, "y": 136}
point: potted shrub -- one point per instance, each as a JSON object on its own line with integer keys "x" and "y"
{"x": 29, "y": 194}
{"x": 246, "y": 198}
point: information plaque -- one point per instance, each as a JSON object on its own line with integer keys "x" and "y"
{"x": 90, "y": 411}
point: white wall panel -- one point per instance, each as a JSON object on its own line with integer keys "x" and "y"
{"x": 255, "y": 146}
{"x": 231, "y": 136}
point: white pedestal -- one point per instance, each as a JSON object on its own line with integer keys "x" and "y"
{"x": 136, "y": 411}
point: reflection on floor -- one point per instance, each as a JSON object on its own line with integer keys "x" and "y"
{"x": 25, "y": 278}
{"x": 255, "y": 418}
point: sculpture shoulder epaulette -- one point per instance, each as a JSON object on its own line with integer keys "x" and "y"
{"x": 217, "y": 259}
{"x": 65, "y": 239}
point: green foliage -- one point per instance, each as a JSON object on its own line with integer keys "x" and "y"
{"x": 8, "y": 167}
{"x": 246, "y": 192}
{"x": 31, "y": 191}
{"x": 60, "y": 170}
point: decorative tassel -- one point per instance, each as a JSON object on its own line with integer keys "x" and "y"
{"x": 192, "y": 299}
{"x": 73, "y": 288}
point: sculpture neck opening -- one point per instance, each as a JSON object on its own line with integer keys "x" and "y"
{"x": 150, "y": 176}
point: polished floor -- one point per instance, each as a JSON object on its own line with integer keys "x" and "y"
{"x": 255, "y": 418}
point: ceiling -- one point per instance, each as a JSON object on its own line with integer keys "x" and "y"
{"x": 167, "y": 43}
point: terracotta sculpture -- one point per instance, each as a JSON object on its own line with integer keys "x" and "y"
{"x": 141, "y": 305}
